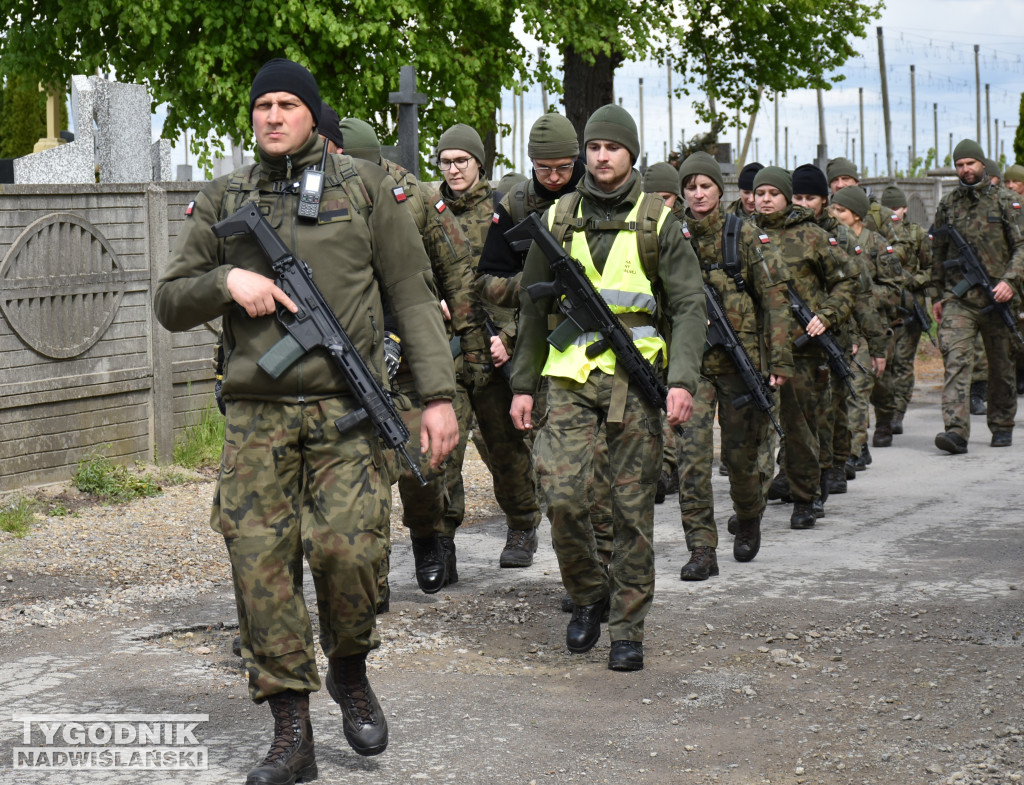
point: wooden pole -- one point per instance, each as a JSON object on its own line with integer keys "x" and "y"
{"x": 885, "y": 104}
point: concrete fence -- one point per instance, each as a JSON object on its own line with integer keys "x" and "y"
{"x": 83, "y": 362}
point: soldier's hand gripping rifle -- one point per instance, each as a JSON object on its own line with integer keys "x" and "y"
{"x": 974, "y": 274}
{"x": 315, "y": 325}
{"x": 586, "y": 311}
{"x": 721, "y": 333}
{"x": 827, "y": 340}
{"x": 917, "y": 312}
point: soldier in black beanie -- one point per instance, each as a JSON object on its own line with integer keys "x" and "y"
{"x": 744, "y": 206}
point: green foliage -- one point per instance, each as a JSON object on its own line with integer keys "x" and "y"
{"x": 99, "y": 476}
{"x": 200, "y": 57}
{"x": 23, "y": 117}
{"x": 1018, "y": 138}
{"x": 201, "y": 444}
{"x": 16, "y": 516}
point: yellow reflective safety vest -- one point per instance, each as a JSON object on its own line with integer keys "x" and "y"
{"x": 624, "y": 285}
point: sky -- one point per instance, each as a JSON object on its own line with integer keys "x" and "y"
{"x": 936, "y": 36}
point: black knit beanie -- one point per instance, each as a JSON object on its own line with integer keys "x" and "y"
{"x": 809, "y": 179}
{"x": 286, "y": 76}
{"x": 329, "y": 126}
{"x": 747, "y": 174}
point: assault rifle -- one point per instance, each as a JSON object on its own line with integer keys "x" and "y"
{"x": 917, "y": 313}
{"x": 586, "y": 311}
{"x": 315, "y": 325}
{"x": 827, "y": 340}
{"x": 721, "y": 333}
{"x": 974, "y": 274}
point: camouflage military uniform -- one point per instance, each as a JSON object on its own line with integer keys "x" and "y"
{"x": 989, "y": 218}
{"x": 508, "y": 455}
{"x": 762, "y": 319}
{"x": 876, "y": 314}
{"x": 917, "y": 271}
{"x": 565, "y": 449}
{"x": 819, "y": 274}
{"x": 290, "y": 484}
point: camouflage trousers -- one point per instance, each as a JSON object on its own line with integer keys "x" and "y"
{"x": 883, "y": 394}
{"x": 802, "y": 398}
{"x": 566, "y": 451}
{"x": 834, "y": 427}
{"x": 670, "y": 458}
{"x": 904, "y": 356}
{"x": 766, "y": 450}
{"x": 505, "y": 451}
{"x": 858, "y": 407}
{"x": 743, "y": 431}
{"x": 980, "y": 371}
{"x": 292, "y": 487}
{"x": 961, "y": 323}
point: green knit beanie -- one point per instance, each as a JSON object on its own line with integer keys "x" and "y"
{"x": 359, "y": 140}
{"x": 854, "y": 199}
{"x": 777, "y": 177}
{"x": 462, "y": 137}
{"x": 553, "y": 137}
{"x": 661, "y": 178}
{"x": 838, "y": 167}
{"x": 992, "y": 169}
{"x": 613, "y": 124}
{"x": 968, "y": 148}
{"x": 702, "y": 163}
{"x": 893, "y": 197}
{"x": 1015, "y": 173}
{"x": 509, "y": 181}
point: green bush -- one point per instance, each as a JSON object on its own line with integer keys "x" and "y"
{"x": 203, "y": 440}
{"x": 98, "y": 476}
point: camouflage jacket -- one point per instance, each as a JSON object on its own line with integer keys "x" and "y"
{"x": 450, "y": 258}
{"x": 917, "y": 266}
{"x": 990, "y": 220}
{"x": 818, "y": 268}
{"x": 876, "y": 310}
{"x": 760, "y": 314}
{"x": 848, "y": 333}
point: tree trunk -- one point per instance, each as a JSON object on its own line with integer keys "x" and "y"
{"x": 587, "y": 87}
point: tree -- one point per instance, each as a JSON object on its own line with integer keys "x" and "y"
{"x": 22, "y": 117}
{"x": 200, "y": 57}
{"x": 1018, "y": 138}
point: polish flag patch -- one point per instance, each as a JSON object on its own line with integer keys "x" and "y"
{"x": 190, "y": 208}
{"x": 888, "y": 249}
{"x": 495, "y": 218}
{"x": 1016, "y": 205}
{"x": 833, "y": 241}
{"x": 686, "y": 232}
{"x": 440, "y": 206}
{"x": 399, "y": 193}
{"x": 857, "y": 250}
{"x": 763, "y": 238}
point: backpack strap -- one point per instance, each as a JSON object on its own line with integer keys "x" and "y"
{"x": 731, "y": 249}
{"x": 647, "y": 233}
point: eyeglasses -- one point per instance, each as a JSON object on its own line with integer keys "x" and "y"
{"x": 459, "y": 163}
{"x": 543, "y": 171}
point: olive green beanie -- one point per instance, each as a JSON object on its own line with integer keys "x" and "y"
{"x": 777, "y": 177}
{"x": 1015, "y": 173}
{"x": 992, "y": 169}
{"x": 462, "y": 137}
{"x": 839, "y": 167}
{"x": 968, "y": 148}
{"x": 893, "y": 197}
{"x": 613, "y": 124}
{"x": 509, "y": 181}
{"x": 661, "y": 178}
{"x": 552, "y": 137}
{"x": 702, "y": 163}
{"x": 854, "y": 199}
{"x": 359, "y": 140}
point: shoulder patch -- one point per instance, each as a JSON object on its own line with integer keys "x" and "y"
{"x": 833, "y": 241}
{"x": 1016, "y": 205}
{"x": 888, "y": 249}
{"x": 440, "y": 206}
{"x": 857, "y": 250}
{"x": 399, "y": 194}
{"x": 895, "y": 218}
{"x": 763, "y": 238}
{"x": 495, "y": 218}
{"x": 190, "y": 208}
{"x": 686, "y": 231}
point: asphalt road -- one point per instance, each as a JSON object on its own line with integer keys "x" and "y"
{"x": 882, "y": 646}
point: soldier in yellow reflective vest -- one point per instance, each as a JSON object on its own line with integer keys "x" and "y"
{"x": 647, "y": 272}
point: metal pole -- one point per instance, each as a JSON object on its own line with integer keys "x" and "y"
{"x": 913, "y": 117}
{"x": 669, "y": 101}
{"x": 935, "y": 120}
{"x": 988, "y": 125}
{"x": 786, "y": 150}
{"x": 501, "y": 138}
{"x": 543, "y": 88}
{"x": 860, "y": 95}
{"x": 522, "y": 132}
{"x": 641, "y": 161}
{"x": 885, "y": 104}
{"x": 776, "y": 159}
{"x": 977, "y": 91}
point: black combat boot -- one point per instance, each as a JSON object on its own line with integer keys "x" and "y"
{"x": 1020, "y": 381}
{"x": 779, "y": 489}
{"x": 883, "y": 435}
{"x": 520, "y": 545}
{"x": 584, "y": 628}
{"x": 626, "y": 656}
{"x": 850, "y": 468}
{"x": 450, "y": 566}
{"x": 431, "y": 574}
{"x": 865, "y": 456}
{"x": 1002, "y": 438}
{"x": 702, "y": 565}
{"x": 837, "y": 479}
{"x": 748, "y": 537}
{"x": 897, "y": 423}
{"x": 951, "y": 442}
{"x": 365, "y": 728}
{"x": 291, "y": 757}
{"x": 979, "y": 393}
{"x": 802, "y": 517}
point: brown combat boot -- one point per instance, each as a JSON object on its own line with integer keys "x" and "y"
{"x": 520, "y": 545}
{"x": 291, "y": 758}
{"x": 365, "y": 728}
{"x": 702, "y": 565}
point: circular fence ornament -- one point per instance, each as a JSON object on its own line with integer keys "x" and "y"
{"x": 60, "y": 285}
